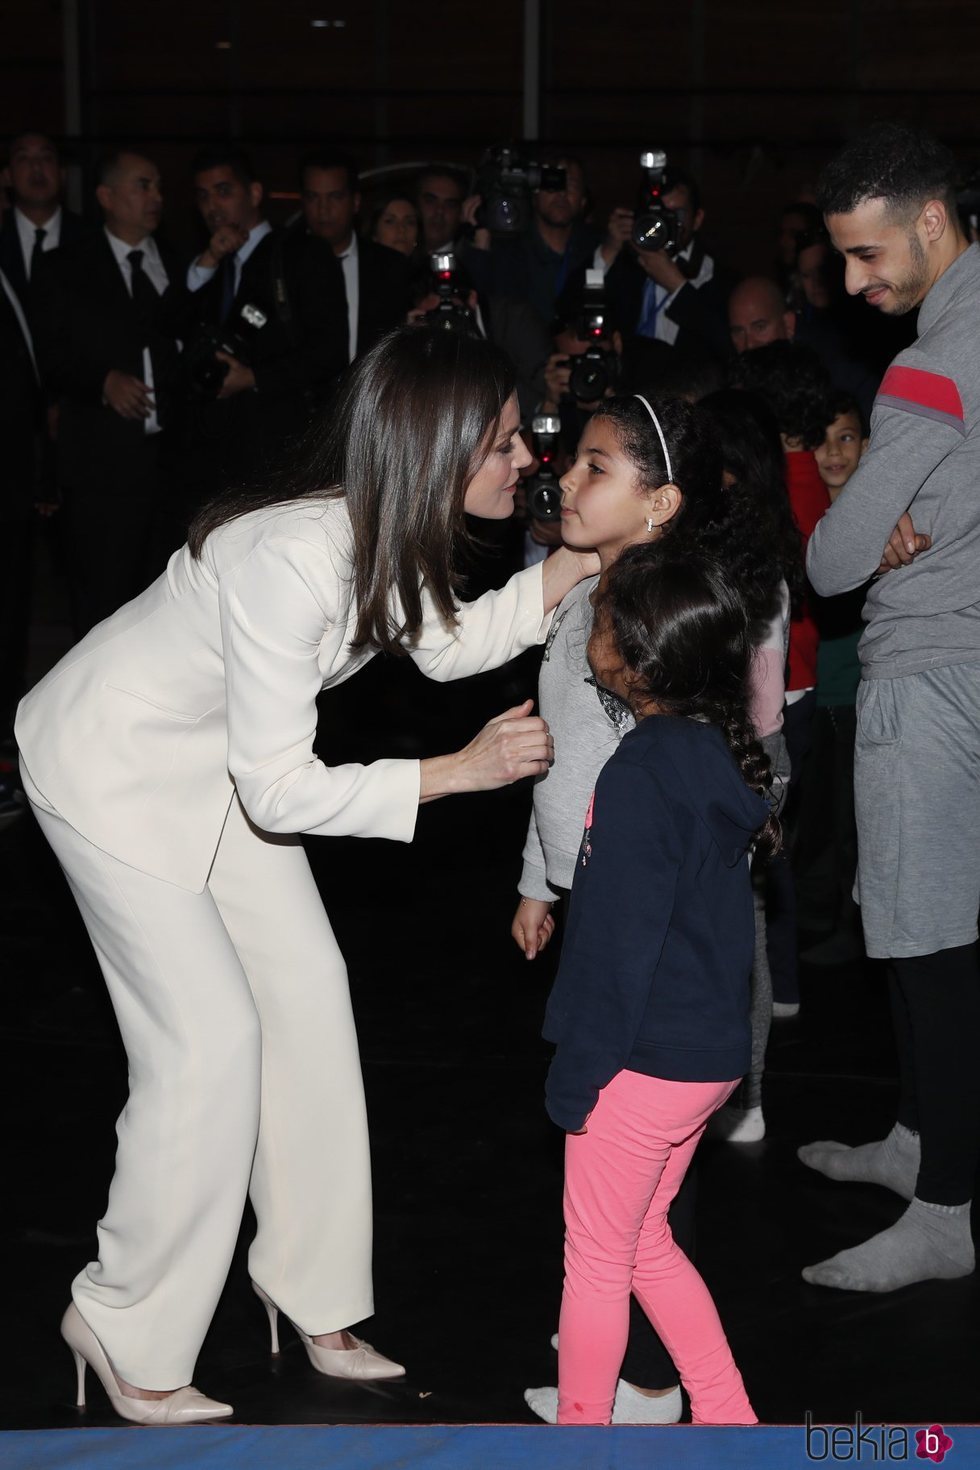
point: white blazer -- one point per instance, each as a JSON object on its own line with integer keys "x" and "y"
{"x": 207, "y": 683}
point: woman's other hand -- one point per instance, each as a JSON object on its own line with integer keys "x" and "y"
{"x": 533, "y": 926}
{"x": 509, "y": 747}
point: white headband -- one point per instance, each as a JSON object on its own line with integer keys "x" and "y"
{"x": 660, "y": 434}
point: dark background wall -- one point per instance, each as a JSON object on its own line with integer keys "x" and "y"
{"x": 751, "y": 94}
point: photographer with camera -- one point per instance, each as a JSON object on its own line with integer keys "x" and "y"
{"x": 445, "y": 297}
{"x": 106, "y": 328}
{"x": 658, "y": 277}
{"x": 268, "y": 335}
{"x": 530, "y": 239}
{"x": 586, "y": 364}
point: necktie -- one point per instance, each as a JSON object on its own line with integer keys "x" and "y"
{"x": 39, "y": 237}
{"x": 145, "y": 301}
{"x": 144, "y": 294}
{"x": 227, "y": 275}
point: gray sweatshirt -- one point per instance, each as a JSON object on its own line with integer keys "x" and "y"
{"x": 924, "y": 457}
{"x": 585, "y": 738}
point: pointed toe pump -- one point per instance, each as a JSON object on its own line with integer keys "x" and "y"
{"x": 183, "y": 1406}
{"x": 361, "y": 1362}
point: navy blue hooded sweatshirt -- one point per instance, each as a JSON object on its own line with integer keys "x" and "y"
{"x": 657, "y": 957}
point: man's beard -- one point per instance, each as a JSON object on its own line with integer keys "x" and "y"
{"x": 907, "y": 294}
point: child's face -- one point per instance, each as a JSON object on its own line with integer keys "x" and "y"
{"x": 839, "y": 454}
{"x": 603, "y": 510}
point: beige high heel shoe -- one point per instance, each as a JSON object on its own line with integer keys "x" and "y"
{"x": 359, "y": 1362}
{"x": 183, "y": 1406}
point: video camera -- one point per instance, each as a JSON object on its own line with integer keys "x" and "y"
{"x": 451, "y": 314}
{"x": 655, "y": 227}
{"x": 542, "y": 489}
{"x": 595, "y": 370}
{"x": 505, "y": 181}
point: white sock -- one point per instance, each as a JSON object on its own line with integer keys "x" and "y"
{"x": 737, "y": 1125}
{"x": 629, "y": 1406}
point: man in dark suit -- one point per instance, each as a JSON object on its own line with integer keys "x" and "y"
{"x": 106, "y": 337}
{"x": 376, "y": 279}
{"x": 38, "y": 222}
{"x": 267, "y": 310}
{"x": 21, "y": 427}
{"x": 677, "y": 297}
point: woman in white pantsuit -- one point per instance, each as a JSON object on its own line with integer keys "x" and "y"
{"x": 169, "y": 759}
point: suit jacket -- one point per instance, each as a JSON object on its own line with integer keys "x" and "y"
{"x": 383, "y": 291}
{"x": 208, "y": 682}
{"x": 86, "y": 324}
{"x": 73, "y": 228}
{"x": 296, "y": 355}
{"x": 21, "y": 416}
{"x": 515, "y": 327}
{"x": 699, "y": 312}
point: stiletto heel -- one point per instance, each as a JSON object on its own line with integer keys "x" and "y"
{"x": 273, "y": 1313}
{"x": 359, "y": 1362}
{"x": 80, "y": 1366}
{"x": 184, "y": 1406}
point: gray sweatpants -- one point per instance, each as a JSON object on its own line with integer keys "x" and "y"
{"x": 917, "y": 802}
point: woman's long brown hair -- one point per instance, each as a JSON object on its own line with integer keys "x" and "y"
{"x": 400, "y": 443}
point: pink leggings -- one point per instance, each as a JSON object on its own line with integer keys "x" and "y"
{"x": 620, "y": 1178}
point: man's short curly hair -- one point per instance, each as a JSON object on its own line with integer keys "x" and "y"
{"x": 894, "y": 161}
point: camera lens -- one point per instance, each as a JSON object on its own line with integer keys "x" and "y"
{"x": 544, "y": 501}
{"x": 590, "y": 376}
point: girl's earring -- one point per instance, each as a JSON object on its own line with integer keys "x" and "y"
{"x": 650, "y": 523}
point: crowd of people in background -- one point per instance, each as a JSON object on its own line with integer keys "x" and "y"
{"x": 136, "y": 383}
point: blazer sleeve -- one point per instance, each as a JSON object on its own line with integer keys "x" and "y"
{"x": 622, "y": 902}
{"x": 274, "y": 608}
{"x": 496, "y": 627}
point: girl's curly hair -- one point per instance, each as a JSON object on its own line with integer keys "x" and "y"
{"x": 682, "y": 631}
{"x": 793, "y": 381}
{"x": 768, "y": 548}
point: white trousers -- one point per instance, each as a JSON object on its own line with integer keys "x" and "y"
{"x": 234, "y": 1010}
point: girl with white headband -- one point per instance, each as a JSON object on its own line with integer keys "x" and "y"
{"x": 641, "y": 471}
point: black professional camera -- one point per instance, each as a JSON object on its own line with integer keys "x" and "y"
{"x": 505, "y": 181}
{"x": 205, "y": 373}
{"x": 655, "y": 227}
{"x": 542, "y": 489}
{"x": 451, "y": 314}
{"x": 595, "y": 370}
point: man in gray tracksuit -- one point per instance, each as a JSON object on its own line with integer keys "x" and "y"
{"x": 890, "y": 208}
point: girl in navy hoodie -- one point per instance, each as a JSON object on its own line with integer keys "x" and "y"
{"x": 650, "y": 1010}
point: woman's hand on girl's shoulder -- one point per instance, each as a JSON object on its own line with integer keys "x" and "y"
{"x": 563, "y": 570}
{"x": 533, "y": 926}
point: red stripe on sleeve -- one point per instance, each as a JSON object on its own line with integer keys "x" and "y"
{"x": 928, "y": 390}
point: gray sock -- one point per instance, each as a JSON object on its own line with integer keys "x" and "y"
{"x": 892, "y": 1162}
{"x": 629, "y": 1406}
{"x": 929, "y": 1243}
